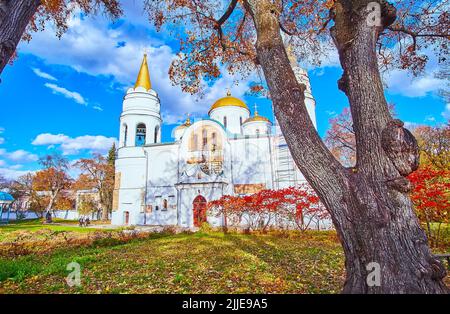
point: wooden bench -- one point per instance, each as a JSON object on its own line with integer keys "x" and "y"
{"x": 446, "y": 257}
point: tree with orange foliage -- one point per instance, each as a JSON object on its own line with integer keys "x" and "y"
{"x": 53, "y": 179}
{"x": 16, "y": 15}
{"x": 434, "y": 145}
{"x": 98, "y": 173}
{"x": 369, "y": 204}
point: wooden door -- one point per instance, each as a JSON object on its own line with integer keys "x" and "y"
{"x": 199, "y": 210}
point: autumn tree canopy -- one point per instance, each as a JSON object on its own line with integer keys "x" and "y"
{"x": 211, "y": 35}
{"x": 53, "y": 179}
{"x": 98, "y": 173}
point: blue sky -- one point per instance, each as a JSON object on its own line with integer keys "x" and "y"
{"x": 66, "y": 95}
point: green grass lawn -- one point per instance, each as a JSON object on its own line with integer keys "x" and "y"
{"x": 186, "y": 263}
{"x": 204, "y": 262}
{"x": 34, "y": 225}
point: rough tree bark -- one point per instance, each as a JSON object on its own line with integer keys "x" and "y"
{"x": 369, "y": 204}
{"x": 14, "y": 18}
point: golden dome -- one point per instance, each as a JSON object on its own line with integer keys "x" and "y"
{"x": 185, "y": 124}
{"x": 257, "y": 117}
{"x": 143, "y": 79}
{"x": 227, "y": 102}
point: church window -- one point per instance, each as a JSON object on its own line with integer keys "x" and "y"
{"x": 257, "y": 132}
{"x": 225, "y": 122}
{"x": 164, "y": 205}
{"x": 195, "y": 142}
{"x": 140, "y": 134}
{"x": 125, "y": 134}
{"x": 156, "y": 134}
{"x": 205, "y": 138}
{"x": 240, "y": 120}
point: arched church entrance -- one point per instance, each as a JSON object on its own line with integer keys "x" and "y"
{"x": 199, "y": 210}
{"x": 127, "y": 217}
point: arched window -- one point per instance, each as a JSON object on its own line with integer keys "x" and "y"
{"x": 213, "y": 141}
{"x": 195, "y": 142}
{"x": 164, "y": 204}
{"x": 125, "y": 134}
{"x": 225, "y": 122}
{"x": 155, "y": 140}
{"x": 257, "y": 132}
{"x": 205, "y": 138}
{"x": 240, "y": 120}
{"x": 141, "y": 132}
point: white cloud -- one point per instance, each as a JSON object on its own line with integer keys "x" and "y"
{"x": 2, "y": 140}
{"x": 446, "y": 113}
{"x": 91, "y": 46}
{"x": 411, "y": 125}
{"x": 66, "y": 93}
{"x": 2, "y": 163}
{"x": 98, "y": 108}
{"x": 403, "y": 83}
{"x": 10, "y": 173}
{"x": 20, "y": 155}
{"x": 430, "y": 118}
{"x": 44, "y": 75}
{"x": 49, "y": 139}
{"x": 72, "y": 146}
{"x": 2, "y": 130}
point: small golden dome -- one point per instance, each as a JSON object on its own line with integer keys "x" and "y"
{"x": 185, "y": 124}
{"x": 257, "y": 117}
{"x": 227, "y": 102}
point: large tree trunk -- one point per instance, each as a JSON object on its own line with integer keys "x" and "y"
{"x": 105, "y": 213}
{"x": 369, "y": 204}
{"x": 14, "y": 17}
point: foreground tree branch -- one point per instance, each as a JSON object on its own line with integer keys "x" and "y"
{"x": 14, "y": 18}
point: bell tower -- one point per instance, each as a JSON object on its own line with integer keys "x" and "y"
{"x": 140, "y": 121}
{"x": 140, "y": 126}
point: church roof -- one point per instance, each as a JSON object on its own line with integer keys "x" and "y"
{"x": 228, "y": 101}
{"x": 5, "y": 198}
{"x": 143, "y": 79}
{"x": 185, "y": 124}
{"x": 256, "y": 117}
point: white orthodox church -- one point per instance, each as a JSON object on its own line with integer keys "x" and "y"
{"x": 232, "y": 152}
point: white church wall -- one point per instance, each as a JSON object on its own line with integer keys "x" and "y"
{"x": 187, "y": 194}
{"x": 256, "y": 127}
{"x": 130, "y": 164}
{"x": 251, "y": 162}
{"x": 234, "y": 116}
{"x": 139, "y": 100}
